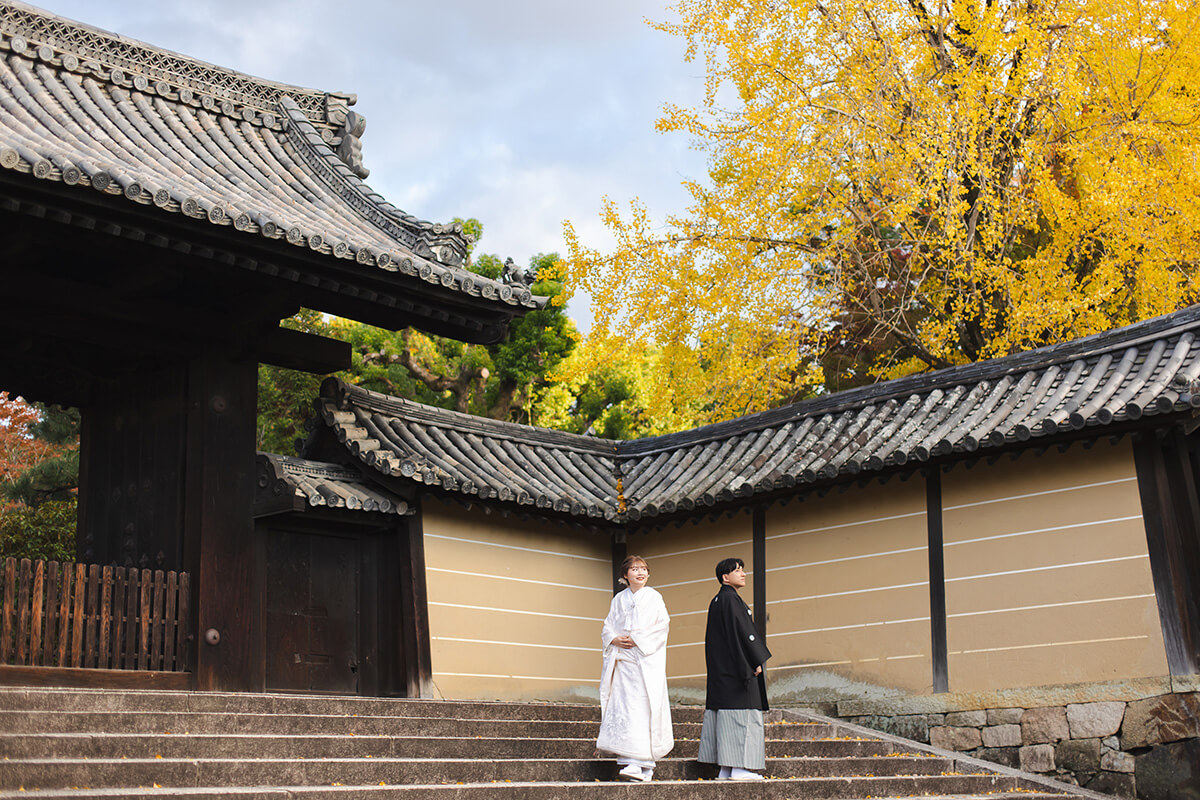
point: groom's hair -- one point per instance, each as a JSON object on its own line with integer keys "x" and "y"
{"x": 727, "y": 566}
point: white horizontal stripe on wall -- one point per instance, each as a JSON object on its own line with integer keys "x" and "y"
{"x": 710, "y": 579}
{"x": 1040, "y": 494}
{"x": 437, "y": 675}
{"x": 1046, "y": 569}
{"x": 607, "y": 591}
{"x": 595, "y": 649}
{"x": 515, "y": 611}
{"x": 686, "y": 644}
{"x": 856, "y": 626}
{"x": 844, "y": 559}
{"x": 849, "y": 592}
{"x": 681, "y": 677}
{"x": 856, "y": 523}
{"x": 809, "y": 666}
{"x": 1051, "y": 605}
{"x": 515, "y": 547}
{"x": 1054, "y": 529}
{"x": 1047, "y": 644}
{"x": 726, "y": 546}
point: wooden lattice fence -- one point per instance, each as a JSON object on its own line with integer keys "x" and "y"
{"x": 86, "y": 615}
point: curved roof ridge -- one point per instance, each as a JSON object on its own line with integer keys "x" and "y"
{"x": 1085, "y": 388}
{"x": 82, "y": 47}
{"x": 436, "y": 242}
{"x": 345, "y": 394}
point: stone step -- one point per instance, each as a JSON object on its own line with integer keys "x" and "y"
{"x": 29, "y": 721}
{"x": 176, "y": 745}
{"x": 891, "y": 788}
{"x": 19, "y": 699}
{"x": 194, "y": 772}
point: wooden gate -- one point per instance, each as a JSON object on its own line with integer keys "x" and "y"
{"x": 86, "y": 615}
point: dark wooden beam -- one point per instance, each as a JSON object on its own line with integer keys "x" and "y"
{"x": 937, "y": 581}
{"x": 306, "y": 352}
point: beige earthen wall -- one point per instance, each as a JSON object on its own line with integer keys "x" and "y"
{"x": 1047, "y": 574}
{"x": 515, "y": 607}
{"x": 848, "y": 594}
{"x": 682, "y": 567}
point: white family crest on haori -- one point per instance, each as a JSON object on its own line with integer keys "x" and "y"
{"x": 634, "y": 676}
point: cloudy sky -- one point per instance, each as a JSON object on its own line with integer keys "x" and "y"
{"x": 521, "y": 113}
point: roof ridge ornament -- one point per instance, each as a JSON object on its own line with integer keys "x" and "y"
{"x": 74, "y": 46}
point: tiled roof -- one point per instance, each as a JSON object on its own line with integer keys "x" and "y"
{"x": 102, "y": 113}
{"x": 288, "y": 483}
{"x": 1101, "y": 383}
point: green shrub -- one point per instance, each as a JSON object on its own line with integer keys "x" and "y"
{"x": 45, "y": 531}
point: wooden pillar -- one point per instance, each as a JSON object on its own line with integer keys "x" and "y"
{"x": 414, "y": 610}
{"x": 218, "y": 528}
{"x": 759, "y": 550}
{"x": 620, "y": 550}
{"x": 937, "y": 581}
{"x": 1167, "y": 485}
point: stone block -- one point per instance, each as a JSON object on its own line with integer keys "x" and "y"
{"x": 1093, "y": 720}
{"x": 966, "y": 719}
{"x": 1078, "y": 755}
{"x": 1116, "y": 761}
{"x": 1004, "y": 756}
{"x": 1001, "y": 736}
{"x": 1169, "y": 771}
{"x": 934, "y": 720}
{"x": 1044, "y": 725}
{"x": 1110, "y": 743}
{"x": 909, "y": 726}
{"x": 1004, "y": 716}
{"x": 1036, "y": 758}
{"x": 1114, "y": 783}
{"x": 948, "y": 738}
{"x": 1165, "y": 718}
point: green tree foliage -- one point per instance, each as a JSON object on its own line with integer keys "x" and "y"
{"x": 501, "y": 381}
{"x": 285, "y": 396}
{"x": 45, "y": 531}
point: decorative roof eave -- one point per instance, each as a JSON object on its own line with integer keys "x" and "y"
{"x": 488, "y": 460}
{"x": 1143, "y": 376}
{"x": 141, "y": 75}
{"x": 286, "y": 484}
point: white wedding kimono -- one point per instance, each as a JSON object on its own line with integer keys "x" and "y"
{"x": 635, "y": 713}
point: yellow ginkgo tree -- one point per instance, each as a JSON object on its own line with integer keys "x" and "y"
{"x": 897, "y": 186}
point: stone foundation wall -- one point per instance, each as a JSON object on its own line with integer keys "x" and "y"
{"x": 1146, "y": 747}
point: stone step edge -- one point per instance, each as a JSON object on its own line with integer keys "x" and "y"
{"x": 289, "y": 792}
{"x": 962, "y": 762}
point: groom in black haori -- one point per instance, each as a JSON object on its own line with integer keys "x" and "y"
{"x": 732, "y": 734}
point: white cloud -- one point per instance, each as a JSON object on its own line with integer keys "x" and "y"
{"x": 521, "y": 113}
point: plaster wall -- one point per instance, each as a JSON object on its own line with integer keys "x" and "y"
{"x": 1047, "y": 573}
{"x": 682, "y": 566}
{"x": 848, "y": 594}
{"x": 515, "y": 607}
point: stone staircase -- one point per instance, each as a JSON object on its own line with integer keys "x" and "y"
{"x": 76, "y": 743}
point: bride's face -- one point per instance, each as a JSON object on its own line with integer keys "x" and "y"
{"x": 637, "y": 575}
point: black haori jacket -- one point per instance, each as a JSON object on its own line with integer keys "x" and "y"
{"x": 732, "y": 651}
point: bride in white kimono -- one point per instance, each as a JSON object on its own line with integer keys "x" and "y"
{"x": 635, "y": 713}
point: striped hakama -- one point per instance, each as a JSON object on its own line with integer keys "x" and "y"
{"x": 733, "y": 737}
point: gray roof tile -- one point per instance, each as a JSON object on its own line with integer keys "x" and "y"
{"x": 93, "y": 109}
{"x": 1147, "y": 370}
